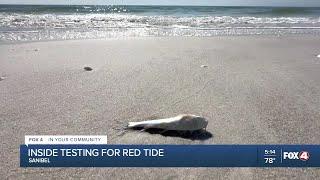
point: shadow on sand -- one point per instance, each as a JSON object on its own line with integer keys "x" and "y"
{"x": 195, "y": 135}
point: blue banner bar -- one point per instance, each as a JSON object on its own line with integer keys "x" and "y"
{"x": 170, "y": 156}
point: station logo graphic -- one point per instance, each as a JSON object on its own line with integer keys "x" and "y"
{"x": 303, "y": 155}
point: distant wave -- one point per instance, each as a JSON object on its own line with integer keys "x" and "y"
{"x": 163, "y": 10}
{"x": 68, "y": 22}
{"x": 45, "y": 21}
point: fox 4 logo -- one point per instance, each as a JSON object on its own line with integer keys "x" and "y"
{"x": 303, "y": 155}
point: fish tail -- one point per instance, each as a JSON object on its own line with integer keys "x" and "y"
{"x": 134, "y": 124}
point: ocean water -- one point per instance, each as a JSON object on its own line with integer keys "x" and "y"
{"x": 44, "y": 22}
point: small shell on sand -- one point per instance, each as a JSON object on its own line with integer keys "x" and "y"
{"x": 2, "y": 78}
{"x": 318, "y": 56}
{"x": 87, "y": 68}
{"x": 204, "y": 66}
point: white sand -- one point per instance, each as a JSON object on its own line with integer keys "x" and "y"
{"x": 255, "y": 90}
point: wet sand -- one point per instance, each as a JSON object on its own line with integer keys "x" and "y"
{"x": 254, "y": 90}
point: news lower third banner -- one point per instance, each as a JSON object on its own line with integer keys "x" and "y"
{"x": 108, "y": 155}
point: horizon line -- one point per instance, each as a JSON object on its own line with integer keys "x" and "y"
{"x": 29, "y": 4}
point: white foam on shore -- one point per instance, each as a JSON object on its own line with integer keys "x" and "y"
{"x": 15, "y": 20}
{"x": 34, "y": 27}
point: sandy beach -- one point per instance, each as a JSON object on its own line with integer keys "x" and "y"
{"x": 255, "y": 90}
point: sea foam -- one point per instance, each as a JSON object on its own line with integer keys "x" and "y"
{"x": 83, "y": 22}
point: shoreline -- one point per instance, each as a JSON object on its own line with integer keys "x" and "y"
{"x": 283, "y": 36}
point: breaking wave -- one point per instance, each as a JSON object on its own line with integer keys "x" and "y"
{"x": 77, "y": 22}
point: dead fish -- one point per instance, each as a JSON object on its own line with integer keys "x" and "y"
{"x": 183, "y": 122}
{"x": 204, "y": 66}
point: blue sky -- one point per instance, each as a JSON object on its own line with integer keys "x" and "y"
{"x": 175, "y": 2}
